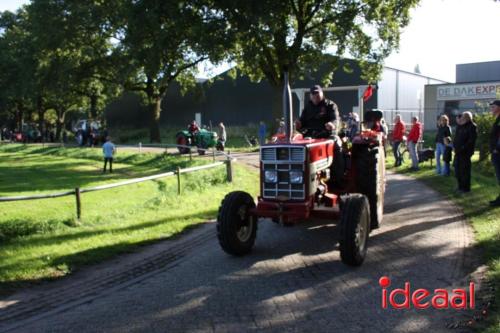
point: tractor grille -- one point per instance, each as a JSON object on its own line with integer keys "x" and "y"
{"x": 283, "y": 160}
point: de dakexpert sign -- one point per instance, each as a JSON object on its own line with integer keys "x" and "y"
{"x": 455, "y": 92}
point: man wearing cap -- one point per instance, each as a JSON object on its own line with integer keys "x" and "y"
{"x": 320, "y": 117}
{"x": 495, "y": 145}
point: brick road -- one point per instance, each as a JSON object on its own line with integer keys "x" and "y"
{"x": 294, "y": 280}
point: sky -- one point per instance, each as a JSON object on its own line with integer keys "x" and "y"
{"x": 441, "y": 34}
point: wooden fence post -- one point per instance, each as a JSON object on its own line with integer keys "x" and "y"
{"x": 78, "y": 203}
{"x": 190, "y": 155}
{"x": 229, "y": 168}
{"x": 178, "y": 181}
{"x": 213, "y": 154}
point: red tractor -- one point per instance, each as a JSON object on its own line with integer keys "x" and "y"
{"x": 297, "y": 182}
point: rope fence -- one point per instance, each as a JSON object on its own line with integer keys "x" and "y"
{"x": 78, "y": 191}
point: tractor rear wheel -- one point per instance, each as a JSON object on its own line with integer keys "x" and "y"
{"x": 354, "y": 229}
{"x": 236, "y": 227}
{"x": 183, "y": 140}
{"x": 370, "y": 180}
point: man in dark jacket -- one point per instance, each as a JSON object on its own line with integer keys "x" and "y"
{"x": 320, "y": 117}
{"x": 464, "y": 143}
{"x": 495, "y": 145}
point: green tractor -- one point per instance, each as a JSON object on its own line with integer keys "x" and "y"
{"x": 201, "y": 138}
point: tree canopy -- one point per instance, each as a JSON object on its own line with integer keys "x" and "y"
{"x": 69, "y": 54}
{"x": 273, "y": 36}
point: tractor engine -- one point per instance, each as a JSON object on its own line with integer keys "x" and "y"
{"x": 295, "y": 175}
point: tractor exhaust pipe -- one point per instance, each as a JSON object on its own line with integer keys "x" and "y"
{"x": 287, "y": 108}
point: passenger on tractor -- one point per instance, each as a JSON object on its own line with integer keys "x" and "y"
{"x": 320, "y": 119}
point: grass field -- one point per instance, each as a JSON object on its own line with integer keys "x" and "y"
{"x": 236, "y": 136}
{"x": 41, "y": 239}
{"x": 484, "y": 219}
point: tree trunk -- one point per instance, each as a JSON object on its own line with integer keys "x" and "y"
{"x": 41, "y": 116}
{"x": 483, "y": 152}
{"x": 154, "y": 111}
{"x": 93, "y": 106}
{"x": 19, "y": 116}
{"x": 277, "y": 107}
{"x": 59, "y": 124}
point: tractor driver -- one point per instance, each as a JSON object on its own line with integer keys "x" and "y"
{"x": 320, "y": 117}
{"x": 193, "y": 127}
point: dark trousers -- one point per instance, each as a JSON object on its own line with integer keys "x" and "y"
{"x": 396, "y": 152}
{"x": 495, "y": 159}
{"x": 463, "y": 171}
{"x": 110, "y": 160}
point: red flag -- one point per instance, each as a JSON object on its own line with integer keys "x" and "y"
{"x": 368, "y": 93}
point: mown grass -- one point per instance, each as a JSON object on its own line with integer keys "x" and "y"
{"x": 41, "y": 239}
{"x": 484, "y": 219}
{"x": 235, "y": 136}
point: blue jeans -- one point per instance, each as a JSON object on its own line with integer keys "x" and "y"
{"x": 262, "y": 139}
{"x": 439, "y": 151}
{"x": 495, "y": 159}
{"x": 396, "y": 152}
{"x": 412, "y": 148}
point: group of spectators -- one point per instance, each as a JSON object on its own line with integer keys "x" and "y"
{"x": 451, "y": 149}
{"x": 412, "y": 140}
{"x": 29, "y": 133}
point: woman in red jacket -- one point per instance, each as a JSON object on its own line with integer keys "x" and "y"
{"x": 413, "y": 138}
{"x": 397, "y": 137}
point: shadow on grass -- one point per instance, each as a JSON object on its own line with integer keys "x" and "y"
{"x": 84, "y": 257}
{"x": 46, "y": 240}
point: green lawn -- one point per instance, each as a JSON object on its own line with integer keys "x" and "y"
{"x": 235, "y": 136}
{"x": 41, "y": 239}
{"x": 484, "y": 219}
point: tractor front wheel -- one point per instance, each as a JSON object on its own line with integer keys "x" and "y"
{"x": 236, "y": 227}
{"x": 182, "y": 140}
{"x": 354, "y": 229}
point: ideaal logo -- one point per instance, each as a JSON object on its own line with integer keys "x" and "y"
{"x": 423, "y": 298}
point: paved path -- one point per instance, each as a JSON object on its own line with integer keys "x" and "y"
{"x": 294, "y": 280}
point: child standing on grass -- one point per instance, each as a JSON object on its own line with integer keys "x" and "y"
{"x": 448, "y": 148}
{"x": 108, "y": 149}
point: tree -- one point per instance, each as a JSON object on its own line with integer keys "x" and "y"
{"x": 163, "y": 42}
{"x": 74, "y": 44}
{"x": 271, "y": 36}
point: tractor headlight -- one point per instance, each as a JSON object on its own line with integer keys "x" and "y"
{"x": 271, "y": 176}
{"x": 296, "y": 177}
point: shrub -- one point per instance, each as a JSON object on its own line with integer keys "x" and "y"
{"x": 484, "y": 122}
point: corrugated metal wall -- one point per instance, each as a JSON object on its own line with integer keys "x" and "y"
{"x": 240, "y": 102}
{"x": 402, "y": 92}
{"x": 478, "y": 72}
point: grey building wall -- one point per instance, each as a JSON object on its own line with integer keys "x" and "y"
{"x": 239, "y": 102}
{"x": 478, "y": 72}
{"x": 401, "y": 92}
{"x": 430, "y": 107}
